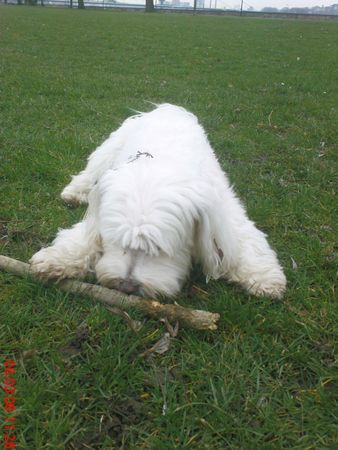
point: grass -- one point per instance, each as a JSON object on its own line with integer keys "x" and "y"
{"x": 265, "y": 92}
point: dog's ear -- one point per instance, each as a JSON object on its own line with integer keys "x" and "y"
{"x": 214, "y": 247}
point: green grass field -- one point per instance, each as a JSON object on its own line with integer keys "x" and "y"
{"x": 265, "y": 92}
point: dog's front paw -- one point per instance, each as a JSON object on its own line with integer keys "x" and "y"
{"x": 44, "y": 265}
{"x": 274, "y": 288}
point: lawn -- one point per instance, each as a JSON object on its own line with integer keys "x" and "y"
{"x": 265, "y": 92}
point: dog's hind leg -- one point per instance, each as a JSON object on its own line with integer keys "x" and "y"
{"x": 76, "y": 192}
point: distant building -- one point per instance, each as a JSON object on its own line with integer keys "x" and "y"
{"x": 179, "y": 4}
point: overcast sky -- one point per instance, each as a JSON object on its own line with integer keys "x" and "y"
{"x": 258, "y": 4}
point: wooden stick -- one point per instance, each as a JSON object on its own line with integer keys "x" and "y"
{"x": 200, "y": 320}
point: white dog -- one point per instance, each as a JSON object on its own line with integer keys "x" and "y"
{"x": 157, "y": 201}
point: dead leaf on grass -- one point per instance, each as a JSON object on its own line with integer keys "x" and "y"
{"x": 173, "y": 331}
{"x": 160, "y": 347}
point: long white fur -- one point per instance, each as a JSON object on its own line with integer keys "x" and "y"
{"x": 158, "y": 200}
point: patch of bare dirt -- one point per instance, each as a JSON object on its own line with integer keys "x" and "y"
{"x": 115, "y": 424}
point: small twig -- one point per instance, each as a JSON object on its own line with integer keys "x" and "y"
{"x": 198, "y": 319}
{"x": 139, "y": 154}
{"x": 135, "y": 158}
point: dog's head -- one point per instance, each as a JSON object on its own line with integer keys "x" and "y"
{"x": 141, "y": 273}
{"x": 151, "y": 230}
{"x": 147, "y": 233}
